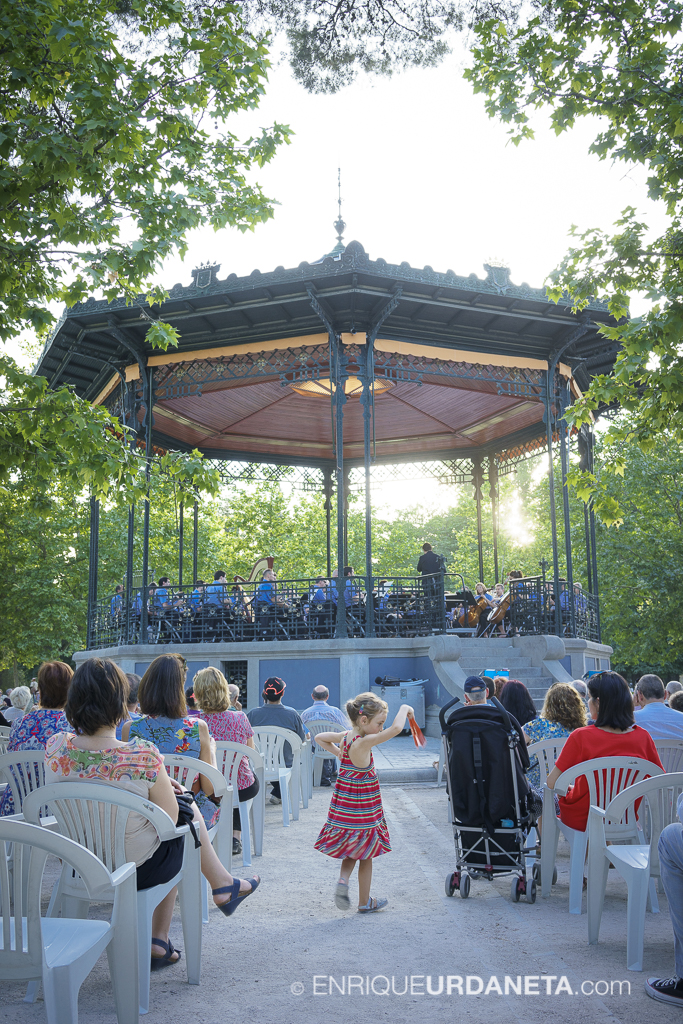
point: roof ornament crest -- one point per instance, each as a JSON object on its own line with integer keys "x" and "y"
{"x": 498, "y": 274}
{"x": 205, "y": 274}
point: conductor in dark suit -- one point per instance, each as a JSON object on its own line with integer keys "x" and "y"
{"x": 429, "y": 565}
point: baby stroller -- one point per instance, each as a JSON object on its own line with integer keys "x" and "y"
{"x": 492, "y": 807}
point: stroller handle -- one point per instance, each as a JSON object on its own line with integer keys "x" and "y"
{"x": 444, "y": 709}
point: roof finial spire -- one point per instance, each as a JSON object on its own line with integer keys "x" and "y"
{"x": 339, "y": 224}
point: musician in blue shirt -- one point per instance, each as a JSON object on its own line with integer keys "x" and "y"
{"x": 116, "y": 605}
{"x": 320, "y": 592}
{"x": 197, "y": 596}
{"x": 216, "y": 595}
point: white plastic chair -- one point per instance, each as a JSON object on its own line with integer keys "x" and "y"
{"x": 606, "y": 777}
{"x": 636, "y": 859}
{"x": 315, "y": 726}
{"x": 185, "y": 770}
{"x": 671, "y": 755}
{"x": 61, "y": 952}
{"x": 306, "y": 771}
{"x": 270, "y": 742}
{"x": 546, "y": 752}
{"x": 23, "y": 771}
{"x": 252, "y": 812}
{"x": 96, "y": 816}
{"x": 4, "y": 738}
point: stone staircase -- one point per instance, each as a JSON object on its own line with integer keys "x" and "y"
{"x": 478, "y": 655}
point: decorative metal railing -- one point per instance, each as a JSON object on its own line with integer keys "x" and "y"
{"x": 307, "y": 609}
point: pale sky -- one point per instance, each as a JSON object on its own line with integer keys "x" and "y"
{"x": 427, "y": 178}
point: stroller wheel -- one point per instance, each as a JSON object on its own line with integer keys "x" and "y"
{"x": 536, "y": 872}
{"x": 452, "y": 883}
{"x": 465, "y": 886}
{"x": 531, "y": 892}
{"x": 515, "y": 889}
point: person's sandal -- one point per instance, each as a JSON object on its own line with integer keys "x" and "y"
{"x": 341, "y": 896}
{"x": 372, "y": 906}
{"x": 233, "y": 903}
{"x": 159, "y": 962}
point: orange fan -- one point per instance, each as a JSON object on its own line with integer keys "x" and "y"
{"x": 420, "y": 741}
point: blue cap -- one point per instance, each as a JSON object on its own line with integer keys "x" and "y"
{"x": 474, "y": 684}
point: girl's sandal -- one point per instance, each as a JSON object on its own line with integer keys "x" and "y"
{"x": 341, "y": 896}
{"x": 159, "y": 962}
{"x": 372, "y": 906}
{"x": 233, "y": 903}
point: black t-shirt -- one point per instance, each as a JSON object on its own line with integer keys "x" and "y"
{"x": 429, "y": 563}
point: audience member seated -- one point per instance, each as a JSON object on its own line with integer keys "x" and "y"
{"x": 212, "y": 695}
{"x": 676, "y": 701}
{"x": 321, "y": 709}
{"x": 517, "y": 701}
{"x": 192, "y": 709}
{"x": 132, "y": 711}
{"x": 166, "y": 724}
{"x": 615, "y": 735}
{"x": 97, "y": 702}
{"x": 274, "y": 712}
{"x": 653, "y": 713}
{"x": 20, "y": 699}
{"x": 670, "y": 848}
{"x": 33, "y": 730}
{"x": 563, "y": 711}
{"x": 673, "y": 686}
{"x": 234, "y": 691}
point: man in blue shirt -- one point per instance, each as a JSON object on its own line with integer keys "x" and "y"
{"x": 217, "y": 592}
{"x": 267, "y": 603}
{"x": 197, "y": 596}
{"x": 117, "y": 601}
{"x": 652, "y": 713}
{"x": 320, "y": 709}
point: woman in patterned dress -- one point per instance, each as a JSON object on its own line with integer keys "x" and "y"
{"x": 226, "y": 724}
{"x": 33, "y": 730}
{"x": 97, "y": 701}
{"x": 166, "y": 724}
{"x": 563, "y": 711}
{"x": 355, "y": 829}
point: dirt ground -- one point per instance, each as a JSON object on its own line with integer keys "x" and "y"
{"x": 288, "y": 955}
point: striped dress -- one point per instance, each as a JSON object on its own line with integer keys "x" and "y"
{"x": 355, "y": 825}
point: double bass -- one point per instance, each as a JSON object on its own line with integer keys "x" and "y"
{"x": 243, "y": 601}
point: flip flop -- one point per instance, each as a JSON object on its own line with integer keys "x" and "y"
{"x": 341, "y": 896}
{"x": 372, "y": 906}
{"x": 233, "y": 903}
{"x": 159, "y": 962}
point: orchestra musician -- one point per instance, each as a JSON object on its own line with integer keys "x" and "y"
{"x": 216, "y": 594}
{"x": 117, "y": 601}
{"x": 267, "y": 602}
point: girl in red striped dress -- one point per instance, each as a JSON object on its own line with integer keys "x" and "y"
{"x": 355, "y": 829}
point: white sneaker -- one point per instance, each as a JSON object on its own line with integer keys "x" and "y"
{"x": 275, "y": 800}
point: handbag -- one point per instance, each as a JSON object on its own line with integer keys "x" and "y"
{"x": 186, "y": 807}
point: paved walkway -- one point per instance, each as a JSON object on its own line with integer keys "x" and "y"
{"x": 261, "y": 965}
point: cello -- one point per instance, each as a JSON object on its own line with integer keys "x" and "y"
{"x": 469, "y": 615}
{"x": 244, "y": 602}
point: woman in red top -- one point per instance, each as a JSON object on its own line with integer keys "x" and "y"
{"x": 615, "y": 734}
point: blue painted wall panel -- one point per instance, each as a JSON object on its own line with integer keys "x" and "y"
{"x": 411, "y": 668}
{"x": 192, "y": 667}
{"x": 301, "y": 675}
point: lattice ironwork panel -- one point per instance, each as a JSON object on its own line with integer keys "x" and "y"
{"x": 450, "y": 473}
{"x": 177, "y": 380}
{"x": 303, "y": 478}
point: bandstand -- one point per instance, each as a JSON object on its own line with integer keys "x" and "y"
{"x": 342, "y": 368}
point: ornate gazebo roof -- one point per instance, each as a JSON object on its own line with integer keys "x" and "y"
{"x": 459, "y": 362}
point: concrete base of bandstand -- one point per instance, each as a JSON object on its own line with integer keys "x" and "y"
{"x": 348, "y": 667}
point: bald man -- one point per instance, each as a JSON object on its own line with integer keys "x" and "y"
{"x": 320, "y": 709}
